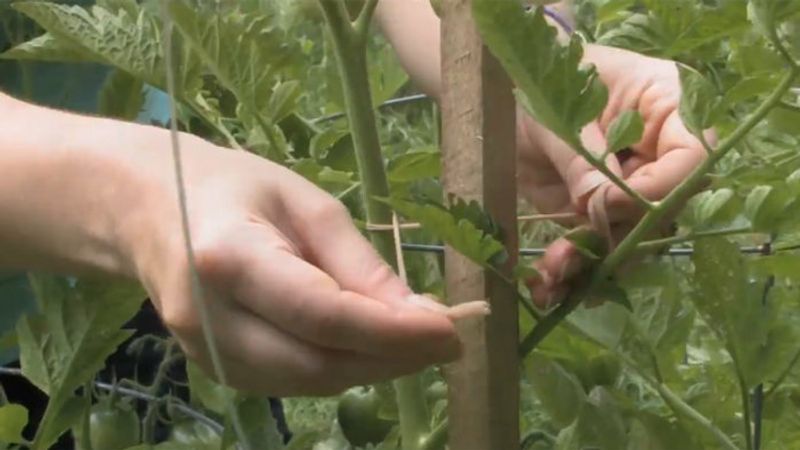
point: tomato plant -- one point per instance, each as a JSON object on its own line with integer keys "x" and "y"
{"x": 693, "y": 347}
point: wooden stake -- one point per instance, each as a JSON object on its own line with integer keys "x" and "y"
{"x": 479, "y": 125}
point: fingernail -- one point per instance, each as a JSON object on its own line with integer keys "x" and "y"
{"x": 469, "y": 309}
{"x": 426, "y": 302}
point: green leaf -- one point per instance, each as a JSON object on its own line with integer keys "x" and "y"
{"x": 207, "y": 392}
{"x": 119, "y": 39}
{"x": 700, "y": 104}
{"x": 711, "y": 208}
{"x": 13, "y": 419}
{"x": 552, "y": 86}
{"x": 781, "y": 265}
{"x": 766, "y": 15}
{"x": 626, "y": 130}
{"x": 414, "y": 165}
{"x": 457, "y": 226}
{"x": 122, "y": 96}
{"x": 730, "y": 304}
{"x": 283, "y": 100}
{"x": 765, "y": 206}
{"x": 49, "y": 48}
{"x": 67, "y": 343}
{"x": 243, "y": 52}
{"x": 258, "y": 425}
{"x": 559, "y": 391}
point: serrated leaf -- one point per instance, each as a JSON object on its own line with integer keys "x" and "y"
{"x": 459, "y": 232}
{"x": 626, "y": 130}
{"x": 13, "y": 419}
{"x": 559, "y": 391}
{"x": 49, "y": 48}
{"x": 242, "y": 51}
{"x": 118, "y": 39}
{"x": 67, "y": 343}
{"x": 552, "y": 85}
{"x": 700, "y": 102}
{"x": 122, "y": 96}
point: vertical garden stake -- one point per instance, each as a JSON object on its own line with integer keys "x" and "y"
{"x": 478, "y": 139}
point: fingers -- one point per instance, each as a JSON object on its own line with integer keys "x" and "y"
{"x": 300, "y": 299}
{"x": 560, "y": 263}
{"x": 262, "y": 359}
{"x": 328, "y": 238}
{"x": 679, "y": 155}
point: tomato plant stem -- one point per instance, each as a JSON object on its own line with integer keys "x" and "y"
{"x": 350, "y": 47}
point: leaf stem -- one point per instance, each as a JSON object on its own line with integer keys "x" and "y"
{"x": 350, "y": 48}
{"x": 361, "y": 24}
{"x": 658, "y": 243}
{"x": 602, "y": 167}
{"x": 681, "y": 407}
{"x": 782, "y": 377}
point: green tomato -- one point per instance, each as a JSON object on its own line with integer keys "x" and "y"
{"x": 358, "y": 415}
{"x": 195, "y": 435}
{"x": 113, "y": 425}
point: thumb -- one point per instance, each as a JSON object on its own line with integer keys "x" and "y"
{"x": 325, "y": 236}
{"x": 339, "y": 250}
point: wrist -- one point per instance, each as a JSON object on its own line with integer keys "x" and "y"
{"x": 70, "y": 191}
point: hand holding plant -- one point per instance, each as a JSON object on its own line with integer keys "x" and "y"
{"x": 556, "y": 179}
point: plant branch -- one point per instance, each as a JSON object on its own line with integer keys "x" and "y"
{"x": 679, "y": 195}
{"x": 350, "y": 49}
{"x": 746, "y": 409}
{"x": 362, "y": 23}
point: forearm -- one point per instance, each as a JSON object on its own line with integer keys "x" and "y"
{"x": 70, "y": 194}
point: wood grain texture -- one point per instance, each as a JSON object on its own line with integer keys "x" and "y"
{"x": 478, "y": 138}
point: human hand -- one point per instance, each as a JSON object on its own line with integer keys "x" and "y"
{"x": 555, "y": 179}
{"x": 300, "y": 302}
